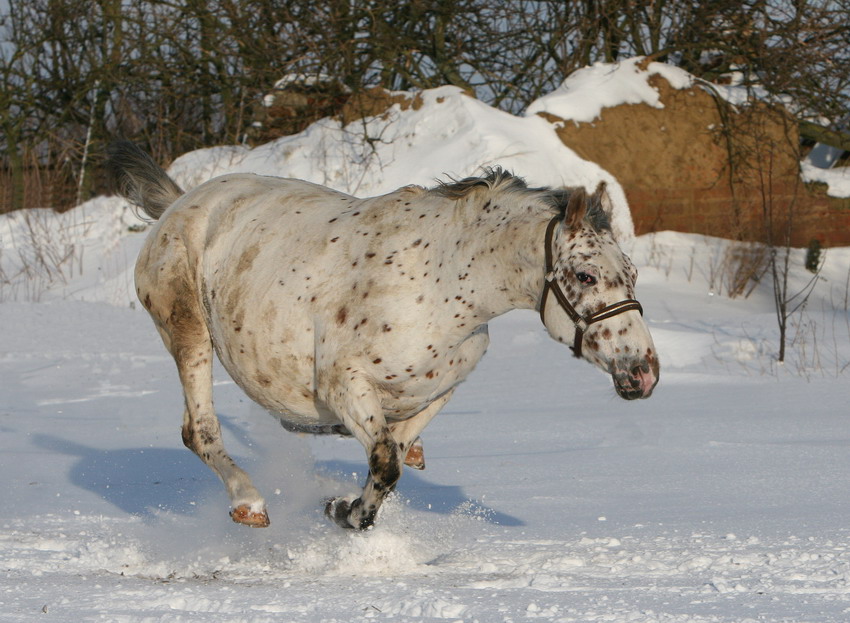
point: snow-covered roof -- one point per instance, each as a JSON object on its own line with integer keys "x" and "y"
{"x": 586, "y": 92}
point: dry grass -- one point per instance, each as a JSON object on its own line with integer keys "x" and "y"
{"x": 41, "y": 251}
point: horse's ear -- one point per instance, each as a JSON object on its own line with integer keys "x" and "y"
{"x": 600, "y": 209}
{"x": 603, "y": 199}
{"x": 576, "y": 208}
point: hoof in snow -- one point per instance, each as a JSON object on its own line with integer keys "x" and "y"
{"x": 244, "y": 515}
{"x": 343, "y": 510}
{"x": 337, "y": 509}
{"x": 415, "y": 456}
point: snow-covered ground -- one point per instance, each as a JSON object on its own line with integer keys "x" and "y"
{"x": 723, "y": 498}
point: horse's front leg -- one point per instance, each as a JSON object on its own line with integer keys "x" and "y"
{"x": 384, "y": 472}
{"x": 357, "y": 404}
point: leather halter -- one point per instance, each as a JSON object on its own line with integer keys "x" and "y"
{"x": 581, "y": 322}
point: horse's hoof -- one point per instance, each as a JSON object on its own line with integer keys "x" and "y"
{"x": 415, "y": 457}
{"x": 244, "y": 515}
{"x": 337, "y": 510}
{"x": 340, "y": 511}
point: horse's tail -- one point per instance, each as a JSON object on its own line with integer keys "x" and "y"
{"x": 140, "y": 180}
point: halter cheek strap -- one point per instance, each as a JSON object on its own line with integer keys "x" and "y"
{"x": 580, "y": 322}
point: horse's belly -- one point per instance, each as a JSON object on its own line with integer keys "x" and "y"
{"x": 280, "y": 376}
{"x": 264, "y": 309}
{"x": 272, "y": 364}
{"x": 280, "y": 386}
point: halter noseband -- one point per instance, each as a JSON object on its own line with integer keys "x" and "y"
{"x": 581, "y": 322}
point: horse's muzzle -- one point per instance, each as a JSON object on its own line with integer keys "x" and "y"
{"x": 635, "y": 380}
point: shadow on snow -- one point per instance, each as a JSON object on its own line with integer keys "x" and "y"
{"x": 144, "y": 481}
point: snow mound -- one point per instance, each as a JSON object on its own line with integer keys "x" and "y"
{"x": 450, "y": 136}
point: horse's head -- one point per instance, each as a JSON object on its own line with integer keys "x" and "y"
{"x": 593, "y": 282}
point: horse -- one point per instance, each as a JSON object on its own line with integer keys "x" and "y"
{"x": 360, "y": 317}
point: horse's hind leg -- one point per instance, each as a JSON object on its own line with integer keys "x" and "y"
{"x": 186, "y": 337}
{"x": 406, "y": 433}
{"x": 415, "y": 456}
{"x": 202, "y": 434}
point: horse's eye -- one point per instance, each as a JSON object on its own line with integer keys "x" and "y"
{"x": 584, "y": 278}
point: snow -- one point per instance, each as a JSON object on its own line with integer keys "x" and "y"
{"x": 587, "y": 91}
{"x": 721, "y": 499}
{"x": 823, "y": 156}
{"x": 837, "y": 180}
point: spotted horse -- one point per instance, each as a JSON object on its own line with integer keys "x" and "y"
{"x": 361, "y": 316}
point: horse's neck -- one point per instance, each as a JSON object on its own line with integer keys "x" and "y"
{"x": 500, "y": 256}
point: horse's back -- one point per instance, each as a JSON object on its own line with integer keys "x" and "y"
{"x": 232, "y": 203}
{"x": 290, "y": 216}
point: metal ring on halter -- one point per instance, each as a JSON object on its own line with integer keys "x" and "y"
{"x": 581, "y": 322}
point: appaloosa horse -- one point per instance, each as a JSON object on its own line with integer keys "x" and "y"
{"x": 361, "y": 316}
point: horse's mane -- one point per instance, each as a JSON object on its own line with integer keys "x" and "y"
{"x": 494, "y": 178}
{"x": 497, "y": 179}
